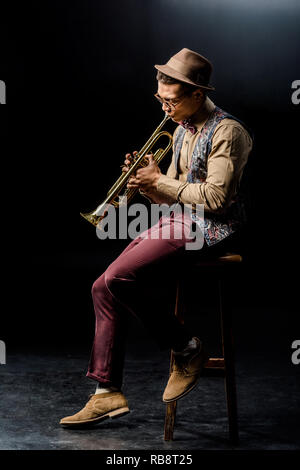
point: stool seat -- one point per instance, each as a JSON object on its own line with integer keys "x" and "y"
{"x": 224, "y": 260}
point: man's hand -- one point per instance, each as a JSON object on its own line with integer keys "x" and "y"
{"x": 146, "y": 178}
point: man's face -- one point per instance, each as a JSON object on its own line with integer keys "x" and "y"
{"x": 185, "y": 105}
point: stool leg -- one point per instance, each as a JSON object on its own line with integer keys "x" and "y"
{"x": 171, "y": 407}
{"x": 170, "y": 421}
{"x": 228, "y": 353}
{"x": 170, "y": 412}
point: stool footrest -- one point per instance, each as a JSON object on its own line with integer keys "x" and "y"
{"x": 215, "y": 367}
{"x": 215, "y": 363}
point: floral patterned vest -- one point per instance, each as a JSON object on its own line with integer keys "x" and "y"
{"x": 214, "y": 227}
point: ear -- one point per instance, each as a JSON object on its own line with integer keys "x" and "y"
{"x": 198, "y": 95}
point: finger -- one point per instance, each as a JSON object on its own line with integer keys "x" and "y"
{"x": 137, "y": 177}
{"x": 131, "y": 185}
{"x": 141, "y": 172}
{"x": 125, "y": 165}
{"x": 150, "y": 157}
{"x": 132, "y": 179}
{"x": 128, "y": 157}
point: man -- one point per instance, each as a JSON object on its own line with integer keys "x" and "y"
{"x": 210, "y": 150}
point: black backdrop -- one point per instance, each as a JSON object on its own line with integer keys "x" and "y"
{"x": 81, "y": 80}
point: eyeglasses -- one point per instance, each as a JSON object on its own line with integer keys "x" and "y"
{"x": 169, "y": 102}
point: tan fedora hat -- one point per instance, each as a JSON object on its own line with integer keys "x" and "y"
{"x": 189, "y": 67}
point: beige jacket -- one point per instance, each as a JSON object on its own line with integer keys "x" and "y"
{"x": 231, "y": 145}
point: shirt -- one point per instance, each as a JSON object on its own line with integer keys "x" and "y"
{"x": 231, "y": 145}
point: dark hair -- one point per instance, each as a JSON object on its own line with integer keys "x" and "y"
{"x": 163, "y": 78}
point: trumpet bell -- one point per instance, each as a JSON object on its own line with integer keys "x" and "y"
{"x": 92, "y": 218}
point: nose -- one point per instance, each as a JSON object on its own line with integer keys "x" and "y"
{"x": 166, "y": 107}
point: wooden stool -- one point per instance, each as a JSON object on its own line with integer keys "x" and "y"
{"x": 215, "y": 366}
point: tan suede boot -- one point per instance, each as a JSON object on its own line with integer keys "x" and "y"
{"x": 186, "y": 373}
{"x": 99, "y": 407}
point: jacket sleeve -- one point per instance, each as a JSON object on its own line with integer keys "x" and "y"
{"x": 231, "y": 145}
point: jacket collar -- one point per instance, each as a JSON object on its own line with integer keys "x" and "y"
{"x": 202, "y": 115}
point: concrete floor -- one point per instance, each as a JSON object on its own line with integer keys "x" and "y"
{"x": 39, "y": 388}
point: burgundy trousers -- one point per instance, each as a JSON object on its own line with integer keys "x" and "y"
{"x": 140, "y": 282}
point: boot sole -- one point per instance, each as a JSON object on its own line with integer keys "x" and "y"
{"x": 110, "y": 414}
{"x": 184, "y": 393}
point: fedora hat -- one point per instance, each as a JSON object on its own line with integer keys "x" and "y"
{"x": 189, "y": 67}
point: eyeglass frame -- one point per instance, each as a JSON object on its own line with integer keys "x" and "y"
{"x": 171, "y": 104}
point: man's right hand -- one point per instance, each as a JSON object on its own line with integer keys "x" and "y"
{"x": 128, "y": 161}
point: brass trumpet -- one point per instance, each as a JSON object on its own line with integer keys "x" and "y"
{"x": 98, "y": 214}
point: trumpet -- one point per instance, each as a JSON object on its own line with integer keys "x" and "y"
{"x": 95, "y": 217}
